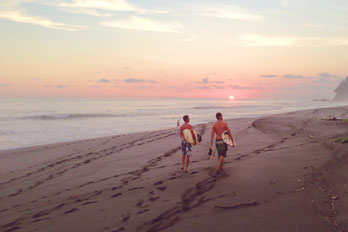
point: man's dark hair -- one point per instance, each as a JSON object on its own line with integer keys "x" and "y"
{"x": 186, "y": 117}
{"x": 218, "y": 115}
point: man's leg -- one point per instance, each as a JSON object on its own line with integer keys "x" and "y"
{"x": 187, "y": 163}
{"x": 220, "y": 162}
{"x": 183, "y": 161}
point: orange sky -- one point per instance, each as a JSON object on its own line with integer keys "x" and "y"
{"x": 120, "y": 48}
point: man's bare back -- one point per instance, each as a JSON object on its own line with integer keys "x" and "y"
{"x": 219, "y": 127}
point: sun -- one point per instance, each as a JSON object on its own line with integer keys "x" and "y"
{"x": 231, "y": 97}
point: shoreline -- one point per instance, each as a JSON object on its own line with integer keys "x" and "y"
{"x": 53, "y": 124}
{"x": 287, "y": 173}
{"x": 131, "y": 133}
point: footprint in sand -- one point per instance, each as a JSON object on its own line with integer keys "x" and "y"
{"x": 140, "y": 204}
{"x": 162, "y": 188}
{"x": 41, "y": 219}
{"x": 71, "y": 211}
{"x": 142, "y": 211}
{"x": 125, "y": 217}
{"x": 119, "y": 229}
{"x": 59, "y": 206}
{"x": 153, "y": 198}
{"x": 90, "y": 202}
{"x": 4, "y": 210}
{"x": 116, "y": 195}
{"x": 136, "y": 188}
{"x": 37, "y": 215}
{"x": 13, "y": 229}
{"x": 158, "y": 182}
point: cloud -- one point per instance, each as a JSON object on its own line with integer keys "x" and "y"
{"x": 94, "y": 86}
{"x": 90, "y": 12}
{"x": 191, "y": 38}
{"x": 244, "y": 87}
{"x": 219, "y": 82}
{"x": 269, "y": 76}
{"x": 20, "y": 17}
{"x": 144, "y": 87}
{"x": 285, "y": 3}
{"x": 103, "y": 81}
{"x": 262, "y": 41}
{"x": 60, "y": 86}
{"x": 98, "y": 7}
{"x": 5, "y": 85}
{"x": 218, "y": 87}
{"x": 239, "y": 87}
{"x": 254, "y": 40}
{"x": 144, "y": 24}
{"x": 207, "y": 81}
{"x": 326, "y": 77}
{"x": 132, "y": 80}
{"x": 111, "y": 5}
{"x": 203, "y": 87}
{"x": 291, "y": 76}
{"x": 230, "y": 12}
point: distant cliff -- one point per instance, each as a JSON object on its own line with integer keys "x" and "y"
{"x": 342, "y": 91}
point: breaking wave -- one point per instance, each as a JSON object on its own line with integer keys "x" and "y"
{"x": 69, "y": 116}
{"x": 226, "y": 107}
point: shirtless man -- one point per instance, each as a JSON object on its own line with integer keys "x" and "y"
{"x": 218, "y": 128}
{"x": 186, "y": 147}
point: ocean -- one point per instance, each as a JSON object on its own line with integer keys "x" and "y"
{"x": 29, "y": 122}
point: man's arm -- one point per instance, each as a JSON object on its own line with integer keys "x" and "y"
{"x": 212, "y": 136}
{"x": 230, "y": 135}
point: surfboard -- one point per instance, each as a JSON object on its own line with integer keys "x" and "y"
{"x": 188, "y": 136}
{"x": 227, "y": 139}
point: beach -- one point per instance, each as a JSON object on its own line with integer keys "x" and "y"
{"x": 287, "y": 173}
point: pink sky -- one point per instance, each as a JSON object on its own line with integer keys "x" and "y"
{"x": 210, "y": 49}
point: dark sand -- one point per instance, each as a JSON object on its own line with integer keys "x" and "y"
{"x": 287, "y": 173}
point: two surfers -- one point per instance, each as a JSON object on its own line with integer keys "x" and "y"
{"x": 220, "y": 129}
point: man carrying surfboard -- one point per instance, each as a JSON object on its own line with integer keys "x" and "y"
{"x": 186, "y": 147}
{"x": 221, "y": 129}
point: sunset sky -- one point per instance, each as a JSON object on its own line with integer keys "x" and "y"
{"x": 156, "y": 48}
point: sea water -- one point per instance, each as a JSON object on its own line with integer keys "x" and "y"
{"x": 29, "y": 122}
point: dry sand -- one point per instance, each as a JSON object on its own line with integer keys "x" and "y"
{"x": 287, "y": 174}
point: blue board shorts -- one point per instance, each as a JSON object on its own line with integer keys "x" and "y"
{"x": 186, "y": 148}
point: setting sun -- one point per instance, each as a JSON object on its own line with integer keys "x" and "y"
{"x": 231, "y": 97}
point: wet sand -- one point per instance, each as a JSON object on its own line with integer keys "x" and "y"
{"x": 288, "y": 173}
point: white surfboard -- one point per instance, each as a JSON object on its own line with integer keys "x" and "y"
{"x": 188, "y": 136}
{"x": 227, "y": 139}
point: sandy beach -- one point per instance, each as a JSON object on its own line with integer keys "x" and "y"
{"x": 288, "y": 173}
